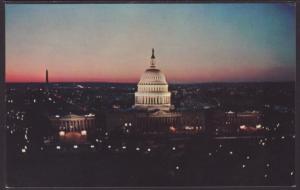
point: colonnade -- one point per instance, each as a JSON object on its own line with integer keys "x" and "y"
{"x": 153, "y": 88}
{"x": 76, "y": 125}
{"x": 156, "y": 100}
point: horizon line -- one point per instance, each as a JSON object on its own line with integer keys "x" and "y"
{"x": 279, "y": 81}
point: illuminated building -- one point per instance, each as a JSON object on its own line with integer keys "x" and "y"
{"x": 73, "y": 128}
{"x": 152, "y": 91}
{"x": 152, "y": 112}
{"x": 231, "y": 122}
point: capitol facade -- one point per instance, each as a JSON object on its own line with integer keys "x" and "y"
{"x": 152, "y": 93}
{"x": 152, "y": 112}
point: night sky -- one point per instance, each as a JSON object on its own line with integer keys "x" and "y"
{"x": 113, "y": 42}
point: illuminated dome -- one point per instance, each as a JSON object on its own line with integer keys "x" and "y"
{"x": 153, "y": 76}
{"x": 153, "y": 89}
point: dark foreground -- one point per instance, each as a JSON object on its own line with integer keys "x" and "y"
{"x": 255, "y": 161}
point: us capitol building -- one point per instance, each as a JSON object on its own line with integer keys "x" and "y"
{"x": 153, "y": 91}
{"x": 153, "y": 111}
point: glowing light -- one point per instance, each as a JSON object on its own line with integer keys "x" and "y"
{"x": 61, "y": 133}
{"x": 106, "y": 134}
{"x": 23, "y": 150}
{"x": 92, "y": 146}
{"x": 177, "y": 167}
{"x": 75, "y": 146}
{"x": 137, "y": 149}
{"x": 231, "y": 153}
{"x": 248, "y": 157}
{"x": 172, "y": 129}
{"x": 258, "y": 126}
{"x": 109, "y": 146}
{"x": 57, "y": 116}
{"x": 90, "y": 115}
{"x": 292, "y": 173}
{"x": 83, "y": 132}
{"x": 283, "y": 137}
{"x": 243, "y": 166}
{"x": 58, "y": 147}
{"x": 243, "y": 127}
{"x": 149, "y": 149}
{"x": 268, "y": 165}
{"x": 125, "y": 124}
{"x": 124, "y": 147}
{"x": 210, "y": 154}
{"x": 173, "y": 148}
{"x": 265, "y": 175}
{"x": 188, "y": 128}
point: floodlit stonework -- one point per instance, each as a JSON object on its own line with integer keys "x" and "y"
{"x": 152, "y": 93}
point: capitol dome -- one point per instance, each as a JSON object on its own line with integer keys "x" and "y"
{"x": 153, "y": 76}
{"x": 153, "y": 91}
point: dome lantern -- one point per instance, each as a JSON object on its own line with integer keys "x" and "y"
{"x": 152, "y": 63}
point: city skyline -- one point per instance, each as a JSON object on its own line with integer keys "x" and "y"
{"x": 194, "y": 43}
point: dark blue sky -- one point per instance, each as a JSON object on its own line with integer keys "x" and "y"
{"x": 193, "y": 42}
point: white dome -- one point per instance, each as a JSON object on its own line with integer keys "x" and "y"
{"x": 153, "y": 76}
{"x": 152, "y": 90}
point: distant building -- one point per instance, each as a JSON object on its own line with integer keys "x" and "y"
{"x": 152, "y": 91}
{"x": 230, "y": 122}
{"x": 73, "y": 128}
{"x": 158, "y": 122}
{"x": 249, "y": 118}
{"x": 152, "y": 111}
